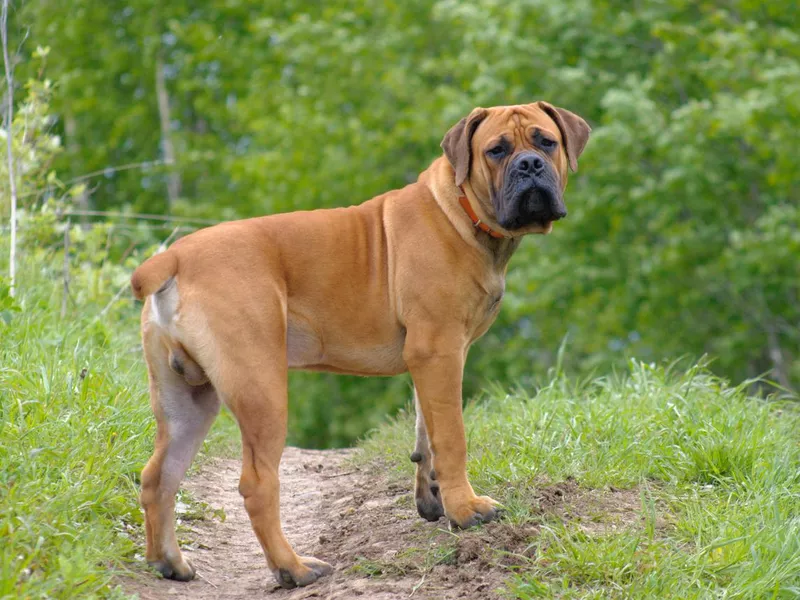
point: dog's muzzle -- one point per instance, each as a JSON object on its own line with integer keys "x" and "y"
{"x": 530, "y": 194}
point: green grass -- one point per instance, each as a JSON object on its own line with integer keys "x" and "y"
{"x": 75, "y": 431}
{"x": 718, "y": 474}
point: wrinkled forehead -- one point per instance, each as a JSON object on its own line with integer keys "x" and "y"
{"x": 518, "y": 121}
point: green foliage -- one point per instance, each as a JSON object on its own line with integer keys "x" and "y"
{"x": 716, "y": 468}
{"x": 684, "y": 225}
{"x": 75, "y": 430}
{"x": 686, "y": 238}
{"x": 33, "y": 145}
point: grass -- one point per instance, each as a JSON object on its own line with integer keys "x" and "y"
{"x": 718, "y": 474}
{"x": 75, "y": 431}
{"x": 412, "y": 560}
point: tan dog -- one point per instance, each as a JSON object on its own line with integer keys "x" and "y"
{"x": 404, "y": 282}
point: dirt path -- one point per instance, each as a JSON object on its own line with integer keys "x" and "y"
{"x": 336, "y": 513}
{"x": 368, "y": 529}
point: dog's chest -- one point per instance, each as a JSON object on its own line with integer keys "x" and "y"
{"x": 488, "y": 308}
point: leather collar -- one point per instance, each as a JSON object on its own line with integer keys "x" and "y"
{"x": 476, "y": 221}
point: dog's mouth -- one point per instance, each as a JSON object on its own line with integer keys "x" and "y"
{"x": 527, "y": 204}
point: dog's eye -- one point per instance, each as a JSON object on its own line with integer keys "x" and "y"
{"x": 548, "y": 143}
{"x": 497, "y": 151}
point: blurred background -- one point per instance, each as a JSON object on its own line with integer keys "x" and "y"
{"x": 683, "y": 234}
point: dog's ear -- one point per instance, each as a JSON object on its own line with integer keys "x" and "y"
{"x": 574, "y": 130}
{"x": 457, "y": 143}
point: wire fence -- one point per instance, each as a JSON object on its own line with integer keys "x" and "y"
{"x": 163, "y": 222}
{"x": 118, "y": 222}
{"x": 137, "y": 216}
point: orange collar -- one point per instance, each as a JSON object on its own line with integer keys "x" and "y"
{"x": 464, "y": 202}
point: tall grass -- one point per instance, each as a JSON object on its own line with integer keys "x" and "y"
{"x": 75, "y": 426}
{"x": 718, "y": 469}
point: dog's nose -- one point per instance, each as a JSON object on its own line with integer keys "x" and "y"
{"x": 559, "y": 212}
{"x": 530, "y": 163}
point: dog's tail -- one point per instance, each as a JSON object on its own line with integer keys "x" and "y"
{"x": 153, "y": 273}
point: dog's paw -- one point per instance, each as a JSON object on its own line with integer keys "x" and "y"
{"x": 473, "y": 511}
{"x": 429, "y": 501}
{"x": 178, "y": 572}
{"x": 307, "y": 572}
{"x": 426, "y": 493}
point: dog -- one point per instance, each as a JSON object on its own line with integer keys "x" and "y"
{"x": 404, "y": 282}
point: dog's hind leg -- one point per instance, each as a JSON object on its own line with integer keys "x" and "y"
{"x": 253, "y": 382}
{"x": 426, "y": 490}
{"x": 183, "y": 414}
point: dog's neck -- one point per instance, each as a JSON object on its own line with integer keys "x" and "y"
{"x": 440, "y": 179}
{"x": 502, "y": 249}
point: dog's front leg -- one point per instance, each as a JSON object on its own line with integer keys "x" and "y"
{"x": 436, "y": 363}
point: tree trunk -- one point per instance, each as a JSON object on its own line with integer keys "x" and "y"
{"x": 167, "y": 147}
{"x": 778, "y": 360}
{"x": 73, "y": 149}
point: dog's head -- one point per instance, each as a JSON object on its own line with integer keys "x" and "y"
{"x": 515, "y": 159}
